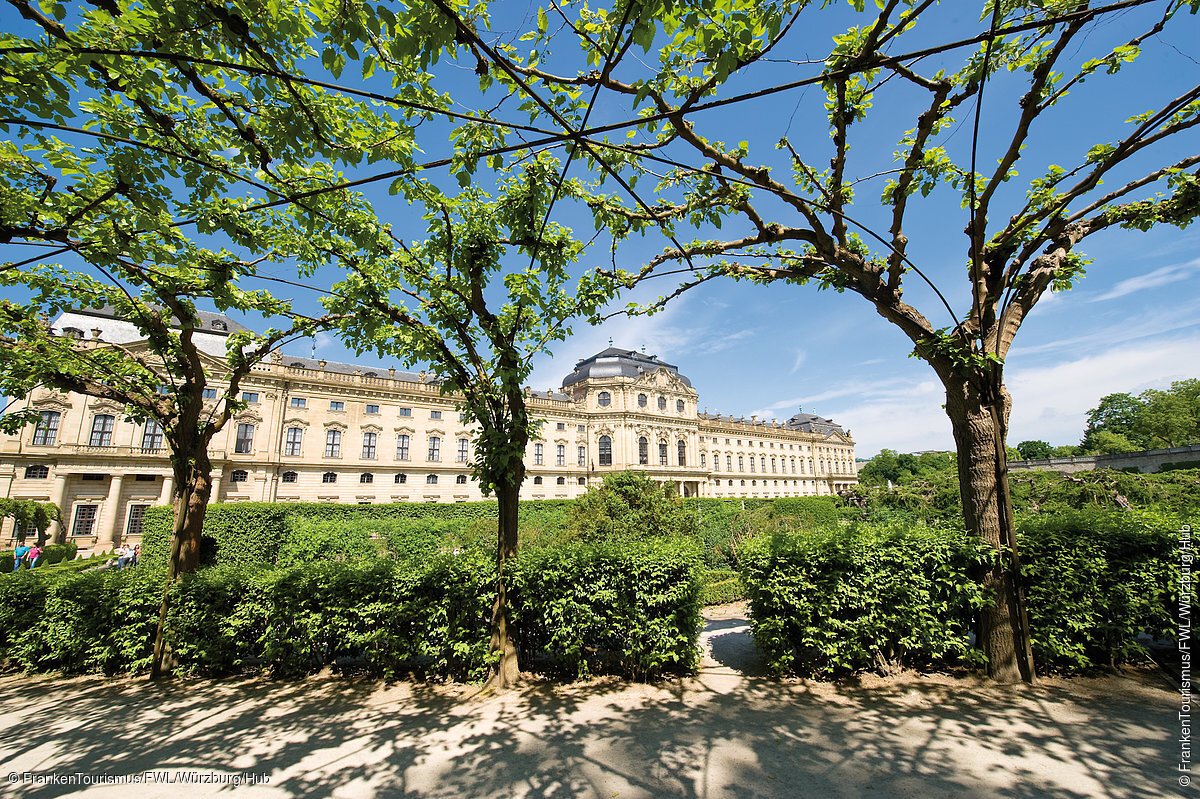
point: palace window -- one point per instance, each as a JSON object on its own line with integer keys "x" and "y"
{"x": 239, "y": 476}
{"x": 366, "y": 477}
{"x": 560, "y": 457}
{"x": 702, "y": 459}
{"x": 46, "y": 432}
{"x": 662, "y": 453}
{"x": 679, "y": 406}
{"x": 681, "y": 449}
{"x": 137, "y": 517}
{"x": 85, "y": 520}
{"x": 209, "y": 393}
{"x": 406, "y": 411}
{"x": 37, "y": 471}
{"x": 431, "y": 479}
{"x": 289, "y": 477}
{"x": 562, "y": 481}
{"x": 561, "y": 426}
{"x": 642, "y": 400}
{"x": 401, "y": 447}
{"x": 643, "y": 451}
{"x": 152, "y": 436}
{"x": 368, "y": 445}
{"x": 299, "y": 402}
{"x": 329, "y": 477}
{"x": 605, "y": 451}
{"x": 537, "y": 481}
{"x": 461, "y": 457}
{"x": 729, "y": 463}
{"x": 295, "y": 437}
{"x": 217, "y": 324}
{"x": 537, "y": 454}
{"x": 333, "y": 443}
{"x": 244, "y": 443}
{"x": 401, "y": 478}
{"x": 102, "y": 430}
{"x": 742, "y": 465}
{"x": 583, "y": 456}
{"x": 581, "y": 481}
{"x": 662, "y": 403}
{"x": 437, "y": 415}
{"x": 435, "y": 449}
{"x": 373, "y": 409}
{"x": 337, "y": 405}
{"x": 604, "y": 399}
{"x": 73, "y": 332}
{"x": 751, "y": 464}
{"x": 461, "y": 480}
{"x": 249, "y": 396}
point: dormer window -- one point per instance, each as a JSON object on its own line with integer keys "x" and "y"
{"x": 217, "y": 324}
{"x": 604, "y": 399}
{"x": 73, "y": 332}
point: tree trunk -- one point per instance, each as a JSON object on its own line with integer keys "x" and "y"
{"x": 978, "y": 411}
{"x": 193, "y": 485}
{"x": 503, "y": 640}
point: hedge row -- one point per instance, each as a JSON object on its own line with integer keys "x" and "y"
{"x": 632, "y": 611}
{"x": 848, "y": 600}
{"x": 281, "y": 533}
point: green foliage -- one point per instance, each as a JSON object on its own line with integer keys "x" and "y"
{"x": 625, "y": 607}
{"x": 1153, "y": 419}
{"x": 27, "y": 512}
{"x": 720, "y": 587}
{"x": 1094, "y": 581}
{"x": 844, "y": 600}
{"x": 1050, "y": 494}
{"x": 1034, "y": 450}
{"x": 631, "y": 609}
{"x": 51, "y": 554}
{"x": 629, "y": 505}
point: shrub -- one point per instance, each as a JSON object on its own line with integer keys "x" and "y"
{"x": 843, "y": 600}
{"x": 629, "y": 505}
{"x": 720, "y": 587}
{"x": 1094, "y": 581}
{"x": 629, "y": 608}
{"x": 808, "y": 513}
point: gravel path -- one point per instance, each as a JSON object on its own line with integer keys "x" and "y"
{"x": 724, "y": 733}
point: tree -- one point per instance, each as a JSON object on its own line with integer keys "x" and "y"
{"x": 804, "y": 227}
{"x": 1152, "y": 419}
{"x": 28, "y": 513}
{"x": 1106, "y": 442}
{"x": 462, "y": 303}
{"x": 1118, "y": 414}
{"x": 629, "y": 505}
{"x": 198, "y": 143}
{"x": 1030, "y": 450}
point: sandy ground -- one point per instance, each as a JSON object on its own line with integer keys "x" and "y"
{"x": 726, "y": 733}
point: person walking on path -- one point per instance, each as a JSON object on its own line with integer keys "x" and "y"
{"x": 33, "y": 556}
{"x": 19, "y": 553}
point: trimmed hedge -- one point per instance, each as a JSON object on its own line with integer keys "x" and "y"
{"x": 1094, "y": 581}
{"x": 426, "y": 616}
{"x": 840, "y": 601}
{"x": 850, "y": 600}
{"x": 51, "y": 554}
{"x": 721, "y": 586}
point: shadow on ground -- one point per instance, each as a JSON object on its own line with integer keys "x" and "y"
{"x": 721, "y": 734}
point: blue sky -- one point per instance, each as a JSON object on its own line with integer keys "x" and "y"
{"x": 1131, "y": 324}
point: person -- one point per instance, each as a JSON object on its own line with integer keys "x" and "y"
{"x": 137, "y": 553}
{"x": 35, "y": 552}
{"x": 123, "y": 554}
{"x": 19, "y": 553}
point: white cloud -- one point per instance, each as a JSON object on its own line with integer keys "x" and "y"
{"x": 1162, "y": 276}
{"x": 1155, "y": 323}
{"x": 801, "y": 357}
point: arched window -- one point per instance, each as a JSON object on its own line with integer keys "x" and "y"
{"x": 73, "y": 332}
{"x": 662, "y": 403}
{"x": 537, "y": 481}
{"x": 329, "y": 477}
{"x": 46, "y": 432}
{"x": 461, "y": 479}
{"x": 366, "y": 477}
{"x": 604, "y": 399}
{"x": 401, "y": 478}
{"x": 289, "y": 477}
{"x": 605, "y": 451}
{"x": 217, "y": 324}
{"x": 562, "y": 481}
{"x": 679, "y": 406}
{"x": 102, "y": 430}
{"x": 662, "y": 453}
{"x": 431, "y": 479}
{"x": 582, "y": 481}
{"x": 642, "y": 400}
{"x": 37, "y": 471}
{"x": 239, "y": 476}
{"x": 643, "y": 451}
{"x": 681, "y": 449}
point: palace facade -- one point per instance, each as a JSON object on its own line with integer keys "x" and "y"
{"x": 318, "y": 431}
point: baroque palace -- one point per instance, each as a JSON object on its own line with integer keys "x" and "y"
{"x": 317, "y": 431}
